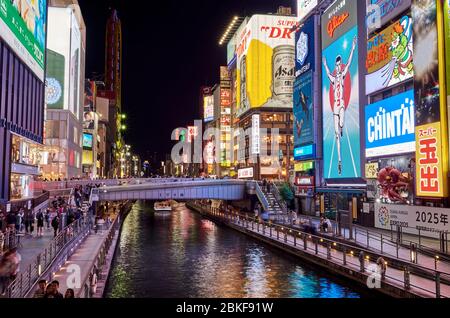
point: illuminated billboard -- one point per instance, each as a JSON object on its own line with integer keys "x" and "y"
{"x": 64, "y": 39}
{"x": 304, "y": 7}
{"x": 390, "y": 56}
{"x": 55, "y": 80}
{"x": 340, "y": 89}
{"x": 303, "y": 110}
{"x": 88, "y": 141}
{"x": 379, "y": 12}
{"x": 23, "y": 27}
{"x": 304, "y": 48}
{"x": 208, "y": 108}
{"x": 390, "y": 126}
{"x": 265, "y": 63}
{"x": 431, "y": 106}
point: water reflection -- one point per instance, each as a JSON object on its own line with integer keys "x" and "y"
{"x": 183, "y": 255}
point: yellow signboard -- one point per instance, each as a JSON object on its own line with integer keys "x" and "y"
{"x": 430, "y": 169}
{"x": 372, "y": 170}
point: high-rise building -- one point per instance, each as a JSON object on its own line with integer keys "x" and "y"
{"x": 113, "y": 92}
{"x": 65, "y": 85}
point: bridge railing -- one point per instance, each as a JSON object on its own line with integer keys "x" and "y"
{"x": 349, "y": 256}
{"x": 262, "y": 197}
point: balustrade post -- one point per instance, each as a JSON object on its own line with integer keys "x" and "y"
{"x": 295, "y": 240}
{"x": 407, "y": 278}
{"x": 305, "y": 242}
{"x": 278, "y": 233}
{"x": 317, "y": 245}
{"x": 344, "y": 256}
{"x": 329, "y": 251}
{"x": 285, "y": 237}
{"x": 438, "y": 285}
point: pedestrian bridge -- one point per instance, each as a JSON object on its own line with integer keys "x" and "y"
{"x": 174, "y": 189}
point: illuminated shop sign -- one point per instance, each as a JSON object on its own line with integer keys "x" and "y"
{"x": 304, "y": 166}
{"x": 245, "y": 173}
{"x": 390, "y": 126}
{"x": 429, "y": 163}
{"x": 304, "y": 152}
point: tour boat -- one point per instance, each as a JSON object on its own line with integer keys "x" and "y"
{"x": 164, "y": 206}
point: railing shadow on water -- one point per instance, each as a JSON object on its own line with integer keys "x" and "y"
{"x": 52, "y": 258}
{"x": 338, "y": 252}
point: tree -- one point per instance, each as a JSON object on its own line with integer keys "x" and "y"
{"x": 287, "y": 194}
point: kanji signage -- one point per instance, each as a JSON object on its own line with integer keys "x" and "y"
{"x": 429, "y": 165}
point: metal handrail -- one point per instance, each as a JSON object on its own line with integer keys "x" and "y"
{"x": 100, "y": 260}
{"x": 410, "y": 268}
{"x": 63, "y": 242}
{"x": 262, "y": 198}
{"x": 276, "y": 192}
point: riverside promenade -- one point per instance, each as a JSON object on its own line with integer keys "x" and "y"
{"x": 405, "y": 279}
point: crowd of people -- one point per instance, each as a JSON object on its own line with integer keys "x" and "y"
{"x": 51, "y": 290}
{"x": 23, "y": 222}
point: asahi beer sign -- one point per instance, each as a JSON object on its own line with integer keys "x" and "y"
{"x": 265, "y": 63}
{"x": 430, "y": 221}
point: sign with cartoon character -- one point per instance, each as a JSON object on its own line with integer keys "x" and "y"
{"x": 390, "y": 56}
{"x": 303, "y": 110}
{"x": 340, "y": 93}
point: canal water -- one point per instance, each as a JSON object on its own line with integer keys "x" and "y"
{"x": 184, "y": 255}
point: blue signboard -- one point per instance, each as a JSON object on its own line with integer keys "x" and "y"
{"x": 303, "y": 110}
{"x": 304, "y": 48}
{"x": 390, "y": 126}
{"x": 304, "y": 152}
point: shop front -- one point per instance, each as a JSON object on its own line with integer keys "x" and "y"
{"x": 304, "y": 184}
{"x": 25, "y": 159}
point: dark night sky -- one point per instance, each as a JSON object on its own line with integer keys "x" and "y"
{"x": 169, "y": 52}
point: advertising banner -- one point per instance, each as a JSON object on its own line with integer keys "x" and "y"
{"x": 426, "y": 70}
{"x": 390, "y": 56}
{"x": 379, "y": 12}
{"x": 303, "y": 110}
{"x": 304, "y": 48}
{"x": 304, "y": 166}
{"x": 266, "y": 63}
{"x": 23, "y": 27}
{"x": 88, "y": 141}
{"x": 256, "y": 136}
{"x": 90, "y": 93}
{"x": 430, "y": 221}
{"x": 304, "y": 7}
{"x": 390, "y": 126}
{"x": 54, "y": 88}
{"x": 429, "y": 163}
{"x": 339, "y": 18}
{"x": 75, "y": 67}
{"x": 340, "y": 89}
{"x": 245, "y": 173}
{"x": 304, "y": 152}
{"x": 208, "y": 108}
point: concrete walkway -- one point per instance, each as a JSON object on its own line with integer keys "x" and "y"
{"x": 32, "y": 246}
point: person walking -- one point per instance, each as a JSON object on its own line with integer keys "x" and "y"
{"x": 55, "y": 225}
{"x": 47, "y": 218}
{"x": 40, "y": 224}
{"x": 381, "y": 263}
{"x": 16, "y": 259}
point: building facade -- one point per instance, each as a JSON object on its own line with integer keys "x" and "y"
{"x": 22, "y": 94}
{"x": 66, "y": 45}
